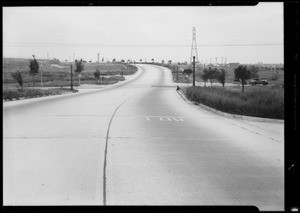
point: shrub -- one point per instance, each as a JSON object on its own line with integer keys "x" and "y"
{"x": 32, "y": 93}
{"x": 275, "y": 77}
{"x": 17, "y": 76}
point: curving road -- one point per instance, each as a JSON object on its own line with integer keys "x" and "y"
{"x": 137, "y": 143}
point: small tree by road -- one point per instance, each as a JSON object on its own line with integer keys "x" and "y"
{"x": 97, "y": 75}
{"x": 187, "y": 72}
{"x": 79, "y": 69}
{"x": 204, "y": 76}
{"x": 221, "y": 76}
{"x": 212, "y": 75}
{"x": 34, "y": 68}
{"x": 17, "y": 76}
{"x": 244, "y": 73}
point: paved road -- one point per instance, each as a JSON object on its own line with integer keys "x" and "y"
{"x": 137, "y": 143}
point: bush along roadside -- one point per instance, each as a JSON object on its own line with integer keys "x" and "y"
{"x": 257, "y": 102}
{"x": 17, "y": 94}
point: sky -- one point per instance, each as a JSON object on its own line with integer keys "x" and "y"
{"x": 244, "y": 34}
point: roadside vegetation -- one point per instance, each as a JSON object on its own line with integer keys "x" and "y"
{"x": 265, "y": 102}
{"x": 22, "y": 77}
{"x": 234, "y": 94}
{"x": 17, "y": 94}
{"x": 273, "y": 76}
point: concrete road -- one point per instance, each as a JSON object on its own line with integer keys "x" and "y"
{"x": 137, "y": 143}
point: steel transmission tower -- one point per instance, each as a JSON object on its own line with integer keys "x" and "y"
{"x": 194, "y": 51}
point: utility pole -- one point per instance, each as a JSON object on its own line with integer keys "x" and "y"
{"x": 98, "y": 57}
{"x": 216, "y": 60}
{"x": 177, "y": 74}
{"x": 194, "y": 71}
{"x": 41, "y": 74}
{"x": 225, "y": 60}
{"x": 71, "y": 77}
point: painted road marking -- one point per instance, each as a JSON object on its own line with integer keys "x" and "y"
{"x": 164, "y": 119}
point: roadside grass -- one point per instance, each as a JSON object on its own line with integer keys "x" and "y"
{"x": 17, "y": 94}
{"x": 265, "y": 102}
{"x": 60, "y": 75}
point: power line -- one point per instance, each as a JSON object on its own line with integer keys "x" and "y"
{"x": 136, "y": 45}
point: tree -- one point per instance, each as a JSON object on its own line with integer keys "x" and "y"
{"x": 187, "y": 71}
{"x": 163, "y": 61}
{"x": 17, "y": 76}
{"x": 34, "y": 68}
{"x": 97, "y": 75}
{"x": 79, "y": 69}
{"x": 152, "y": 60}
{"x": 254, "y": 71}
{"x": 141, "y": 60}
{"x": 221, "y": 76}
{"x": 243, "y": 73}
{"x": 204, "y": 76}
{"x": 212, "y": 75}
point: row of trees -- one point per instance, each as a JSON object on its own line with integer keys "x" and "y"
{"x": 34, "y": 68}
{"x": 241, "y": 73}
{"x": 212, "y": 75}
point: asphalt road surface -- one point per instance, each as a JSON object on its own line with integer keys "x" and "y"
{"x": 137, "y": 143}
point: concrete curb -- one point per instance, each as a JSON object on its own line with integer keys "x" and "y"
{"x": 228, "y": 115}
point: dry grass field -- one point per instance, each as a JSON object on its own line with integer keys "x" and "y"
{"x": 59, "y": 75}
{"x": 56, "y": 77}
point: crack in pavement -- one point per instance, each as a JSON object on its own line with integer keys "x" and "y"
{"x": 106, "y": 147}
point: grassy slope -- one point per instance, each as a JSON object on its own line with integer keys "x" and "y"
{"x": 258, "y": 100}
{"x": 266, "y": 102}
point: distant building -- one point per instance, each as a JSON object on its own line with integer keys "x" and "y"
{"x": 233, "y": 64}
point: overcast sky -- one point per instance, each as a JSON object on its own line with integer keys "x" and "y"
{"x": 242, "y": 34}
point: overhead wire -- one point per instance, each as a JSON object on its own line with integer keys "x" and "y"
{"x": 134, "y": 45}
